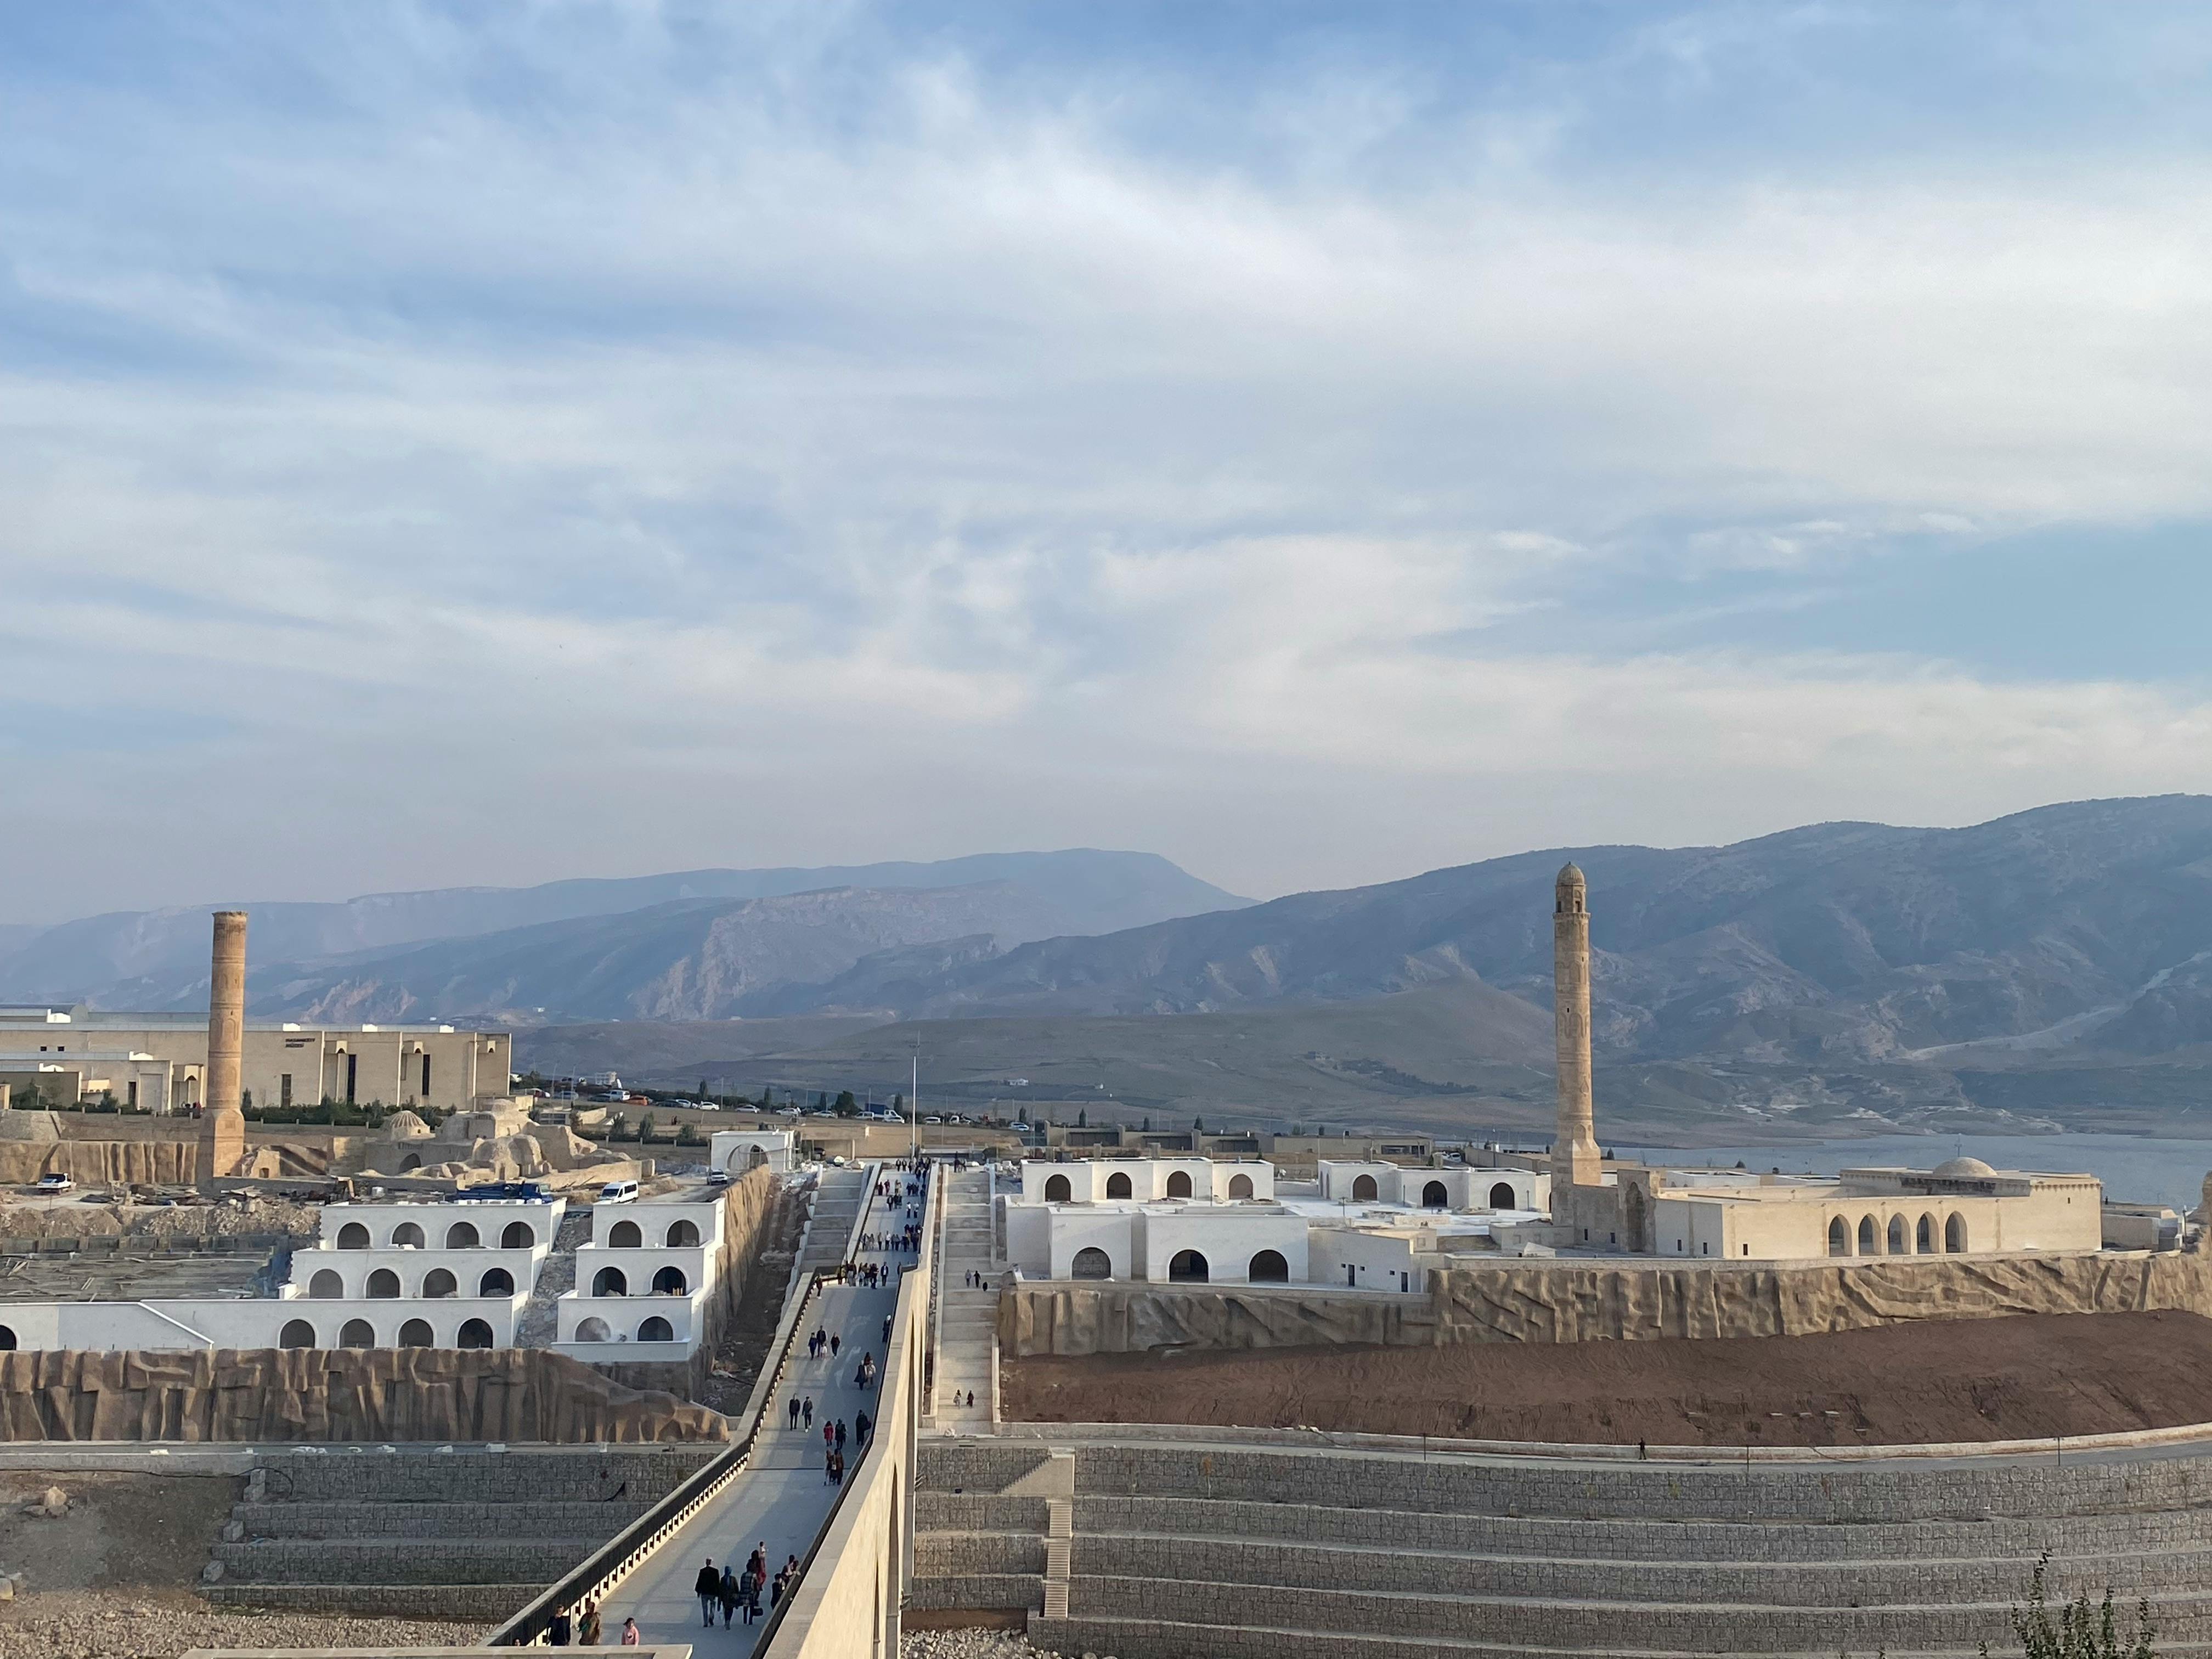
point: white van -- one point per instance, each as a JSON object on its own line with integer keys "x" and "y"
{"x": 618, "y": 1192}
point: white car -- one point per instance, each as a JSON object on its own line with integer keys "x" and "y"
{"x": 56, "y": 1183}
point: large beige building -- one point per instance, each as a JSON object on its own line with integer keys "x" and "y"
{"x": 282, "y": 1065}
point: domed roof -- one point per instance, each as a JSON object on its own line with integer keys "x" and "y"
{"x": 1570, "y": 875}
{"x": 1955, "y": 1167}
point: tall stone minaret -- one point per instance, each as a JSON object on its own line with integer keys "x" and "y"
{"x": 1574, "y": 1158}
{"x": 223, "y": 1125}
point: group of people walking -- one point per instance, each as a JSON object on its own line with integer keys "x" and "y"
{"x": 732, "y": 1594}
{"x": 584, "y": 1633}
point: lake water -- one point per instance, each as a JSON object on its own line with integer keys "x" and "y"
{"x": 2132, "y": 1167}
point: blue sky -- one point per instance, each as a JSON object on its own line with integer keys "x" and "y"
{"x": 1313, "y": 442}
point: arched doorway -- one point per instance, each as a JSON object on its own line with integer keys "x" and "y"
{"x": 357, "y": 1333}
{"x": 1268, "y": 1268}
{"x": 1057, "y": 1191}
{"x": 7, "y": 1339}
{"x": 383, "y": 1285}
{"x": 625, "y": 1236}
{"x": 1363, "y": 1189}
{"x": 1924, "y": 1236}
{"x": 353, "y": 1236}
{"x": 669, "y": 1281}
{"x": 1632, "y": 1216}
{"x": 656, "y": 1329}
{"x": 461, "y": 1236}
{"x": 475, "y": 1333}
{"x": 1897, "y": 1236}
{"x": 682, "y": 1235}
{"x": 1188, "y": 1268}
{"x": 496, "y": 1282}
{"x": 1435, "y": 1195}
{"x": 411, "y": 1162}
{"x": 518, "y": 1236}
{"x": 609, "y": 1281}
{"x": 1839, "y": 1238}
{"x": 1501, "y": 1198}
{"x": 1092, "y": 1262}
{"x": 326, "y": 1286}
{"x": 1179, "y": 1183}
{"x": 415, "y": 1333}
{"x": 1869, "y": 1240}
{"x": 1954, "y": 1234}
{"x": 296, "y": 1334}
{"x": 1240, "y": 1186}
{"x": 407, "y": 1236}
{"x": 438, "y": 1283}
{"x": 1117, "y": 1186}
{"x": 593, "y": 1330}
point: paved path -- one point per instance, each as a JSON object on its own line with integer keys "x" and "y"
{"x": 782, "y": 1499}
{"x": 965, "y": 1318}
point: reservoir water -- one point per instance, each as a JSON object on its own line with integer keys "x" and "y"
{"x": 2132, "y": 1167}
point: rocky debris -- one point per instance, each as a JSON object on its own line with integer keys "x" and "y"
{"x": 11, "y": 1584}
{"x": 185, "y": 1217}
{"x": 975, "y": 1644}
{"x": 92, "y": 1625}
{"x": 52, "y": 1505}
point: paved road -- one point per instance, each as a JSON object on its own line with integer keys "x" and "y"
{"x": 782, "y": 1499}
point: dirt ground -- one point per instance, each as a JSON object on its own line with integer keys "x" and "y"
{"x": 115, "y": 1577}
{"x": 1984, "y": 1379}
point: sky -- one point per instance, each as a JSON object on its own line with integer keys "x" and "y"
{"x": 447, "y": 444}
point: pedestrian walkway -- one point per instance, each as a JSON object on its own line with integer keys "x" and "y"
{"x": 781, "y": 1501}
{"x": 967, "y": 1318}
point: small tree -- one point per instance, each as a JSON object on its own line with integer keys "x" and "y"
{"x": 1198, "y": 1126}
{"x": 645, "y": 1127}
{"x": 847, "y": 1106}
{"x": 1083, "y": 1119}
{"x": 2078, "y": 1630}
{"x": 898, "y": 1104}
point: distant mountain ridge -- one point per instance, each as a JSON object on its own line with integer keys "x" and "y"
{"x": 158, "y": 958}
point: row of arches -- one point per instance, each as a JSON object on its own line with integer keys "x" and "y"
{"x": 461, "y": 1236}
{"x": 328, "y": 1286}
{"x": 1058, "y": 1190}
{"x": 1435, "y": 1195}
{"x": 628, "y": 1235}
{"x": 1186, "y": 1267}
{"x": 359, "y": 1334}
{"x": 654, "y": 1329}
{"x": 613, "y": 1281}
{"x": 1920, "y": 1239}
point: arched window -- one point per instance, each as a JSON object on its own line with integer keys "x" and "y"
{"x": 1117, "y": 1186}
{"x": 1057, "y": 1191}
{"x": 1869, "y": 1240}
{"x": 1268, "y": 1268}
{"x": 1179, "y": 1184}
{"x": 438, "y": 1283}
{"x": 1954, "y": 1234}
{"x": 357, "y": 1333}
{"x": 296, "y": 1334}
{"x": 415, "y": 1333}
{"x": 475, "y": 1333}
{"x": 593, "y": 1330}
{"x": 326, "y": 1286}
{"x": 353, "y": 1236}
{"x": 1839, "y": 1238}
{"x": 383, "y": 1285}
{"x": 1924, "y": 1236}
{"x": 406, "y": 1235}
{"x": 1187, "y": 1267}
{"x": 625, "y": 1236}
{"x": 462, "y": 1235}
{"x": 411, "y": 1162}
{"x": 656, "y": 1329}
{"x": 1434, "y": 1196}
{"x": 496, "y": 1282}
{"x": 609, "y": 1281}
{"x": 1897, "y": 1236}
{"x": 681, "y": 1234}
{"x": 1092, "y": 1262}
{"x": 669, "y": 1281}
{"x": 7, "y": 1339}
{"x": 518, "y": 1236}
{"x": 1240, "y": 1186}
{"x": 1501, "y": 1196}
{"x": 1363, "y": 1189}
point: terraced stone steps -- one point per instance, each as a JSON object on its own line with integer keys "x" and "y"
{"x": 473, "y": 1604}
{"x": 534, "y": 1560}
{"x": 428, "y": 1521}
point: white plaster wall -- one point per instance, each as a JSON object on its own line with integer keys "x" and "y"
{"x": 1368, "y": 1262}
{"x": 490, "y": 1217}
{"x": 653, "y": 1221}
{"x": 1227, "y": 1237}
{"x": 639, "y": 1266}
{"x": 732, "y": 1149}
{"x": 624, "y": 1316}
{"x": 1107, "y": 1228}
{"x": 414, "y": 1267}
{"x": 1029, "y": 1237}
{"x": 1338, "y": 1177}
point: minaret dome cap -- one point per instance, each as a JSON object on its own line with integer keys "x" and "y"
{"x": 1570, "y": 877}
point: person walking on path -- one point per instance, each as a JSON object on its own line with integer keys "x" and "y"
{"x": 833, "y": 1345}
{"x": 841, "y": 1434}
{"x": 795, "y": 1411}
{"x": 708, "y": 1588}
{"x": 587, "y": 1633}
{"x": 629, "y": 1634}
{"x": 806, "y": 1410}
{"x": 728, "y": 1595}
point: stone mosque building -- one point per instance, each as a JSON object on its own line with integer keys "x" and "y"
{"x": 1961, "y": 1207}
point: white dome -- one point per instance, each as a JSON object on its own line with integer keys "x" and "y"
{"x": 1956, "y": 1167}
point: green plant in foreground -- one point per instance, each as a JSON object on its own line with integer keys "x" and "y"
{"x": 2076, "y": 1630}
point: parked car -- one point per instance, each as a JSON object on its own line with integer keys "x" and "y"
{"x": 618, "y": 1192}
{"x": 56, "y": 1183}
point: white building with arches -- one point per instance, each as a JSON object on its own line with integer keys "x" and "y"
{"x": 1453, "y": 1187}
{"x": 1166, "y": 1220}
{"x": 643, "y": 1281}
{"x": 1147, "y": 1181}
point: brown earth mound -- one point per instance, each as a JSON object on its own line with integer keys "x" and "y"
{"x": 1985, "y": 1379}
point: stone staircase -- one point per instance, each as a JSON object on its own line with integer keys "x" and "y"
{"x": 557, "y": 1277}
{"x": 1172, "y": 1551}
{"x": 838, "y": 1196}
{"x": 967, "y": 1320}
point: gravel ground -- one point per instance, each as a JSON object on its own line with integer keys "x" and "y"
{"x": 124, "y": 1625}
{"x": 975, "y": 1644}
